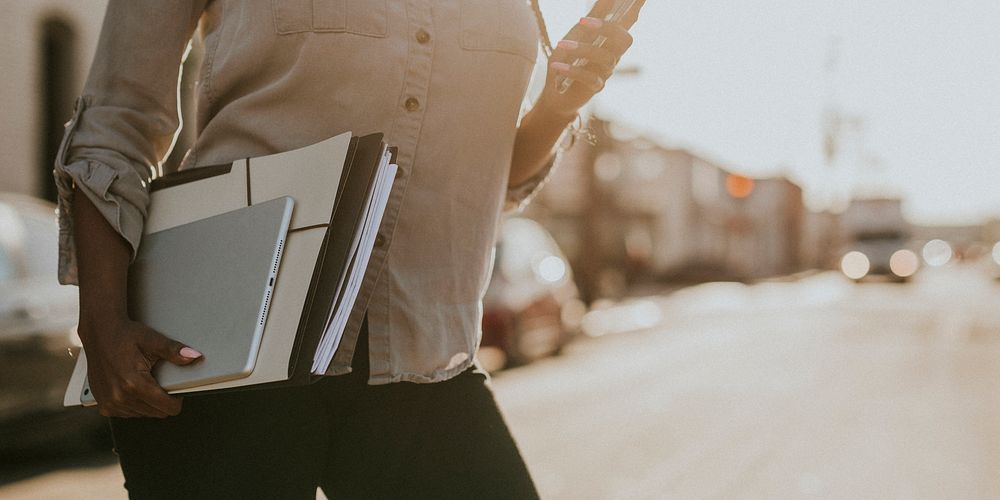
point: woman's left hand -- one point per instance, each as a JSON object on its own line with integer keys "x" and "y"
{"x": 588, "y": 80}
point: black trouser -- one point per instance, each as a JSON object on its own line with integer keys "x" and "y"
{"x": 403, "y": 440}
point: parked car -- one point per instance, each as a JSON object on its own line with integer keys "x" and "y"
{"x": 37, "y": 331}
{"x": 532, "y": 307}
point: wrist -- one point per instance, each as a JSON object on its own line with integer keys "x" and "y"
{"x": 98, "y": 337}
{"x": 545, "y": 107}
{"x": 101, "y": 319}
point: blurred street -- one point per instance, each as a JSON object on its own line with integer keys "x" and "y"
{"x": 814, "y": 388}
{"x": 819, "y": 388}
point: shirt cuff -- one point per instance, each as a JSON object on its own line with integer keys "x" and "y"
{"x": 521, "y": 195}
{"x": 118, "y": 193}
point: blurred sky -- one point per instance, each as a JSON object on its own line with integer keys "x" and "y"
{"x": 745, "y": 83}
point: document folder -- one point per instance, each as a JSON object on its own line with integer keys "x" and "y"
{"x": 339, "y": 187}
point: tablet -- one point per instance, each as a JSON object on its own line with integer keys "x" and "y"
{"x": 208, "y": 284}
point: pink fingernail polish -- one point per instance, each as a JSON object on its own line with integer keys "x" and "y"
{"x": 567, "y": 44}
{"x": 190, "y": 353}
{"x": 558, "y": 66}
{"x": 591, "y": 22}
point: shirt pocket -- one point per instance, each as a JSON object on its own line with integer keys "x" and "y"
{"x": 507, "y": 26}
{"x": 361, "y": 17}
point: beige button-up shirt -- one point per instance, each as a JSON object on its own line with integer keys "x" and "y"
{"x": 444, "y": 80}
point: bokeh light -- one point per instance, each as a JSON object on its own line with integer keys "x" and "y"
{"x": 739, "y": 186}
{"x": 904, "y": 263}
{"x": 937, "y": 253}
{"x": 552, "y": 269}
{"x": 855, "y": 265}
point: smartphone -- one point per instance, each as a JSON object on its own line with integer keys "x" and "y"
{"x": 621, "y": 8}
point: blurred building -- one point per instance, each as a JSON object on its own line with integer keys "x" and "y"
{"x": 628, "y": 211}
{"x": 819, "y": 246}
{"x": 990, "y": 233}
{"x": 48, "y": 46}
{"x": 765, "y": 226}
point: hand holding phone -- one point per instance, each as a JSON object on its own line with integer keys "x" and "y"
{"x": 622, "y": 11}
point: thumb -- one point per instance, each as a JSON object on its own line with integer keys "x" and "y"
{"x": 169, "y": 349}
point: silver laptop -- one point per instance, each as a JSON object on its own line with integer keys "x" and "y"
{"x": 208, "y": 284}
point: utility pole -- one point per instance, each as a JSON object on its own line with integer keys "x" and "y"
{"x": 832, "y": 118}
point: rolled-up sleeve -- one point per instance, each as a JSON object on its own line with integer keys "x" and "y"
{"x": 126, "y": 120}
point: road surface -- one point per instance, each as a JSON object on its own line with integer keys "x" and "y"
{"x": 816, "y": 388}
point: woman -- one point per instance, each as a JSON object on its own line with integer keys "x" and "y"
{"x": 444, "y": 81}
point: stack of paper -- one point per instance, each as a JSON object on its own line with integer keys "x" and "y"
{"x": 350, "y": 279}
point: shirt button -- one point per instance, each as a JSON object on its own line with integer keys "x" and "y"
{"x": 423, "y": 36}
{"x": 379, "y": 241}
{"x": 411, "y": 104}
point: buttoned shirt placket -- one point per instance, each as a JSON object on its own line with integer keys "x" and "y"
{"x": 405, "y": 135}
